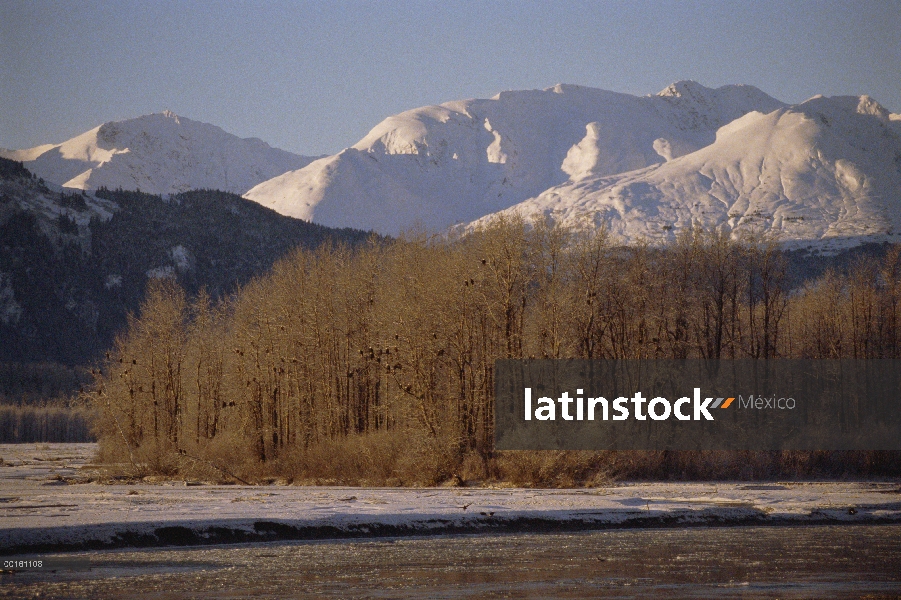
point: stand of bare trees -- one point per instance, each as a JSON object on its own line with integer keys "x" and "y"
{"x": 376, "y": 365}
{"x": 48, "y": 423}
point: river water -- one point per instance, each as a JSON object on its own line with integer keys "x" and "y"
{"x": 847, "y": 561}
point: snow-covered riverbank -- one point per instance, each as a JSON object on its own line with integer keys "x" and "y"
{"x": 41, "y": 509}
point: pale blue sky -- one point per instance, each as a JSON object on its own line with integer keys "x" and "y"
{"x": 315, "y": 77}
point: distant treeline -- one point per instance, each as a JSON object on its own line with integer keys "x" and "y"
{"x": 375, "y": 365}
{"x": 39, "y": 403}
{"x": 49, "y": 423}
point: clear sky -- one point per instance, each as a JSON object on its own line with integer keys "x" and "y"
{"x": 315, "y": 77}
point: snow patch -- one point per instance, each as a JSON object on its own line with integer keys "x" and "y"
{"x": 161, "y": 272}
{"x": 495, "y": 152}
{"x": 171, "y": 115}
{"x": 182, "y": 257}
{"x": 663, "y": 148}
{"x": 582, "y": 159}
{"x": 10, "y": 310}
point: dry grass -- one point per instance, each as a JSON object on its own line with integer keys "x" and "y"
{"x": 399, "y": 459}
{"x": 384, "y": 458}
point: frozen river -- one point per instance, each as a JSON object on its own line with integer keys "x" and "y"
{"x": 834, "y": 561}
{"x": 168, "y": 539}
{"x": 50, "y": 501}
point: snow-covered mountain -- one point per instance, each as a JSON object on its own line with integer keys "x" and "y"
{"x": 159, "y": 154}
{"x": 440, "y": 165}
{"x": 642, "y": 166}
{"x": 828, "y": 169}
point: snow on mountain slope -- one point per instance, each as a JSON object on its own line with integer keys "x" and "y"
{"x": 440, "y": 165}
{"x": 25, "y": 155}
{"x": 158, "y": 154}
{"x": 826, "y": 169}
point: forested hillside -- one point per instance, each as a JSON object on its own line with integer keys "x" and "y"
{"x": 73, "y": 265}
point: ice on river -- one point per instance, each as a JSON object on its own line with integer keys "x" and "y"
{"x": 43, "y": 506}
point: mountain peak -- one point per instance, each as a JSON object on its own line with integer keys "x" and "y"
{"x": 683, "y": 89}
{"x": 562, "y": 88}
{"x": 869, "y": 106}
{"x": 159, "y": 153}
{"x": 861, "y": 105}
{"x": 821, "y": 172}
{"x": 693, "y": 92}
{"x": 441, "y": 165}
